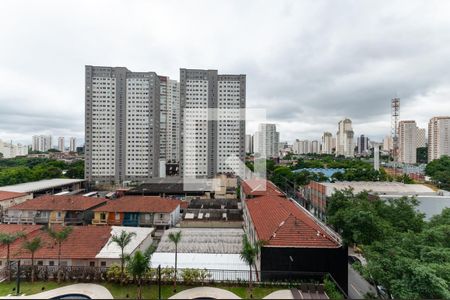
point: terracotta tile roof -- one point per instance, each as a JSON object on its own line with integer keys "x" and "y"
{"x": 148, "y": 204}
{"x": 4, "y": 195}
{"x": 59, "y": 203}
{"x": 280, "y": 222}
{"x": 184, "y": 204}
{"x": 259, "y": 187}
{"x": 84, "y": 242}
{"x": 13, "y": 228}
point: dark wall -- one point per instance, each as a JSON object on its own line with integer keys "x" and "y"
{"x": 327, "y": 260}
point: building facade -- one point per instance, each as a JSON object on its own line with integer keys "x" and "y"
{"x": 72, "y": 145}
{"x": 421, "y": 138}
{"x": 213, "y": 122}
{"x": 10, "y": 150}
{"x": 169, "y": 136}
{"x": 438, "y": 137}
{"x": 362, "y": 144}
{"x": 345, "y": 142}
{"x": 122, "y": 124}
{"x": 248, "y": 143}
{"x": 61, "y": 146}
{"x": 407, "y": 141}
{"x": 327, "y": 143}
{"x": 266, "y": 140}
{"x": 387, "y": 143}
{"x": 41, "y": 143}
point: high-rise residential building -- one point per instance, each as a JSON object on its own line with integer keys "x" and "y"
{"x": 327, "y": 143}
{"x": 315, "y": 147}
{"x": 72, "y": 145}
{"x": 407, "y": 141}
{"x": 362, "y": 144}
{"x": 213, "y": 122}
{"x": 249, "y": 143}
{"x": 421, "y": 138}
{"x": 345, "y": 142}
{"x": 387, "y": 143}
{"x": 61, "y": 146}
{"x": 10, "y": 150}
{"x": 121, "y": 124}
{"x": 302, "y": 147}
{"x": 266, "y": 140}
{"x": 41, "y": 143}
{"x": 438, "y": 137}
{"x": 169, "y": 137}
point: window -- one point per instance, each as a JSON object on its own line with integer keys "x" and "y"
{"x": 102, "y": 216}
{"x": 92, "y": 264}
{"x": 103, "y": 263}
{"x": 40, "y": 263}
{"x": 51, "y": 263}
{"x": 161, "y": 216}
{"x": 117, "y": 216}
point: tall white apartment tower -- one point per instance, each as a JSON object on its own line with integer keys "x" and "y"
{"x": 327, "y": 143}
{"x": 169, "y": 136}
{"x": 41, "y": 143}
{"x": 72, "y": 145}
{"x": 266, "y": 140}
{"x": 345, "y": 142}
{"x": 213, "y": 122}
{"x": 249, "y": 143}
{"x": 421, "y": 138}
{"x": 121, "y": 124}
{"x": 438, "y": 137}
{"x": 61, "y": 144}
{"x": 407, "y": 142}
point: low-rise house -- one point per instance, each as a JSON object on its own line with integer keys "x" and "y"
{"x": 8, "y": 199}
{"x": 153, "y": 211}
{"x": 52, "y": 209}
{"x": 111, "y": 253}
{"x": 294, "y": 242}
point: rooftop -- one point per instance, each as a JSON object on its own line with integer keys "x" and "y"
{"x": 380, "y": 187}
{"x": 258, "y": 187}
{"x": 112, "y": 250}
{"x": 148, "y": 204}
{"x": 4, "y": 195}
{"x": 35, "y": 186}
{"x": 59, "y": 203}
{"x": 287, "y": 224}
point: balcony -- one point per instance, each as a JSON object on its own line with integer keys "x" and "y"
{"x": 115, "y": 222}
{"x": 73, "y": 221}
{"x": 99, "y": 222}
{"x": 41, "y": 220}
{"x": 57, "y": 220}
{"x": 11, "y": 219}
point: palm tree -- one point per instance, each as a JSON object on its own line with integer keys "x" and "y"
{"x": 122, "y": 240}
{"x": 59, "y": 237}
{"x": 138, "y": 265}
{"x": 249, "y": 254}
{"x": 7, "y": 239}
{"x": 32, "y": 246}
{"x": 175, "y": 237}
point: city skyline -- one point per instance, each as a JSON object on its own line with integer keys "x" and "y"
{"x": 348, "y": 68}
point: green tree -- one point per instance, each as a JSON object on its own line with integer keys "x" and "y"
{"x": 32, "y": 246}
{"x": 249, "y": 253}
{"x": 138, "y": 264}
{"x": 122, "y": 240}
{"x": 59, "y": 237}
{"x": 439, "y": 171}
{"x": 7, "y": 239}
{"x": 175, "y": 237}
{"x": 422, "y": 155}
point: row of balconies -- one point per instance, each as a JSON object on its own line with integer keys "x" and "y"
{"x": 41, "y": 220}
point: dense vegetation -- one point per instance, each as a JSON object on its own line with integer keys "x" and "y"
{"x": 19, "y": 170}
{"x": 405, "y": 254}
{"x": 439, "y": 171}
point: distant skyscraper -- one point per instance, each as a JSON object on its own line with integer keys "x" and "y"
{"x": 345, "y": 143}
{"x": 10, "y": 150}
{"x": 327, "y": 143}
{"x": 438, "y": 137}
{"x": 249, "y": 143}
{"x": 314, "y": 147}
{"x": 387, "y": 143}
{"x": 362, "y": 144}
{"x": 169, "y": 137}
{"x": 61, "y": 144}
{"x": 266, "y": 140}
{"x": 302, "y": 147}
{"x": 421, "y": 138}
{"x": 407, "y": 141}
{"x": 122, "y": 124}
{"x": 72, "y": 145}
{"x": 213, "y": 122}
{"x": 41, "y": 143}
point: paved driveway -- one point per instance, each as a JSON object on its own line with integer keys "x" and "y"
{"x": 94, "y": 291}
{"x": 205, "y": 292}
{"x": 357, "y": 285}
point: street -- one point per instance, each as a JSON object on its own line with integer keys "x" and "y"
{"x": 357, "y": 285}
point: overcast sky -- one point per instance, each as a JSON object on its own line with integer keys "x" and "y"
{"x": 309, "y": 63}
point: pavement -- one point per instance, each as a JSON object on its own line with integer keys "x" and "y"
{"x": 94, "y": 291}
{"x": 357, "y": 285}
{"x": 205, "y": 292}
{"x": 281, "y": 294}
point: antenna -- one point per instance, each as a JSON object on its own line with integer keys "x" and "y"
{"x": 395, "y": 114}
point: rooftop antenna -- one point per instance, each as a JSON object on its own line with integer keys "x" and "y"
{"x": 395, "y": 114}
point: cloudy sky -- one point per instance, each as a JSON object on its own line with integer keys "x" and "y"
{"x": 309, "y": 63}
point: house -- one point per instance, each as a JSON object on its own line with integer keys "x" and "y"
{"x": 150, "y": 211}
{"x": 293, "y": 241}
{"x": 52, "y": 209}
{"x": 8, "y": 199}
{"x": 111, "y": 253}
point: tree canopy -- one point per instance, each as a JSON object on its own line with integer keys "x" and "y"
{"x": 439, "y": 171}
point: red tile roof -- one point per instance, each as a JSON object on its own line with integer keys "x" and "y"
{"x": 4, "y": 195}
{"x": 59, "y": 203}
{"x": 84, "y": 242}
{"x": 13, "y": 228}
{"x": 280, "y": 222}
{"x": 259, "y": 187}
{"x": 146, "y": 204}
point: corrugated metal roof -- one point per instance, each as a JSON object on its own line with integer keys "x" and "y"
{"x": 35, "y": 186}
